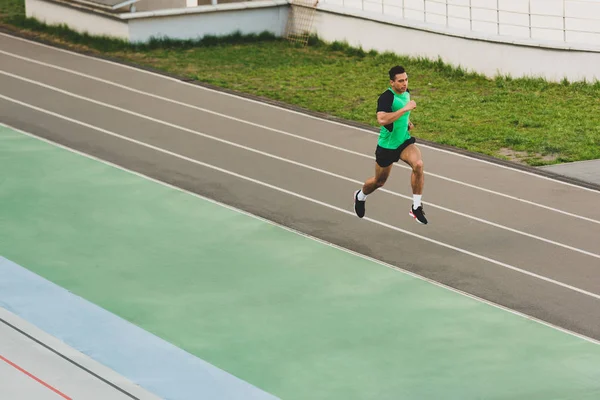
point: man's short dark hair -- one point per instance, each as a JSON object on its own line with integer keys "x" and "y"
{"x": 395, "y": 71}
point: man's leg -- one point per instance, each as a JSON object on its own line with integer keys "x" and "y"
{"x": 374, "y": 183}
{"x": 371, "y": 184}
{"x": 412, "y": 156}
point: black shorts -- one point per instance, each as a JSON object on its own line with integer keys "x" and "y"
{"x": 386, "y": 157}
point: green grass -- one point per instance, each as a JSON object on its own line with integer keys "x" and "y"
{"x": 527, "y": 120}
{"x": 12, "y": 8}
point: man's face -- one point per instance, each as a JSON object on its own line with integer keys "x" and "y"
{"x": 400, "y": 83}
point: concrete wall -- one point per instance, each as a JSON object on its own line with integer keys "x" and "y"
{"x": 222, "y": 22}
{"x": 194, "y": 3}
{"x": 484, "y": 56}
{"x": 151, "y": 5}
{"x": 77, "y": 19}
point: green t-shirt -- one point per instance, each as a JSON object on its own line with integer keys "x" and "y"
{"x": 391, "y": 136}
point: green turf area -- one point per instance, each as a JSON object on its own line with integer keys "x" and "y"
{"x": 526, "y": 120}
{"x": 293, "y": 316}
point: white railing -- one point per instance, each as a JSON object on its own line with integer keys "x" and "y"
{"x": 567, "y": 21}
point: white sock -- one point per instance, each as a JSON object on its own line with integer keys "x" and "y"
{"x": 361, "y": 196}
{"x": 416, "y": 201}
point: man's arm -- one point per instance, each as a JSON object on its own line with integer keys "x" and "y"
{"x": 386, "y": 118}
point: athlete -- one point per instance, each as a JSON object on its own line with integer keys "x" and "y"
{"x": 395, "y": 143}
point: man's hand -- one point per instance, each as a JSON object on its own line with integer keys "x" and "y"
{"x": 411, "y": 105}
{"x": 410, "y": 126}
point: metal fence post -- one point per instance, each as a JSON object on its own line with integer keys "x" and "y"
{"x": 498, "y": 17}
{"x": 564, "y": 21}
{"x": 529, "y": 3}
{"x": 470, "y": 16}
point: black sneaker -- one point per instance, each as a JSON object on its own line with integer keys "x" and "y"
{"x": 418, "y": 215}
{"x": 359, "y": 206}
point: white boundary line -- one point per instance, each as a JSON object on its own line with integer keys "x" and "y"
{"x": 201, "y": 134}
{"x": 291, "y": 111}
{"x": 422, "y": 278}
{"x": 272, "y": 130}
{"x": 297, "y": 195}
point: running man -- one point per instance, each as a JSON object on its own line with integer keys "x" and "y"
{"x": 395, "y": 143}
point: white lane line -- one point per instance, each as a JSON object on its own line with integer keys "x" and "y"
{"x": 297, "y": 195}
{"x": 154, "y": 74}
{"x": 428, "y": 173}
{"x": 393, "y": 267}
{"x": 299, "y": 164}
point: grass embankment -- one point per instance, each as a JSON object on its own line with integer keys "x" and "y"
{"x": 527, "y": 120}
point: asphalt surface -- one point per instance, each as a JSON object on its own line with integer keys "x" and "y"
{"x": 511, "y": 237}
{"x": 586, "y": 170}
